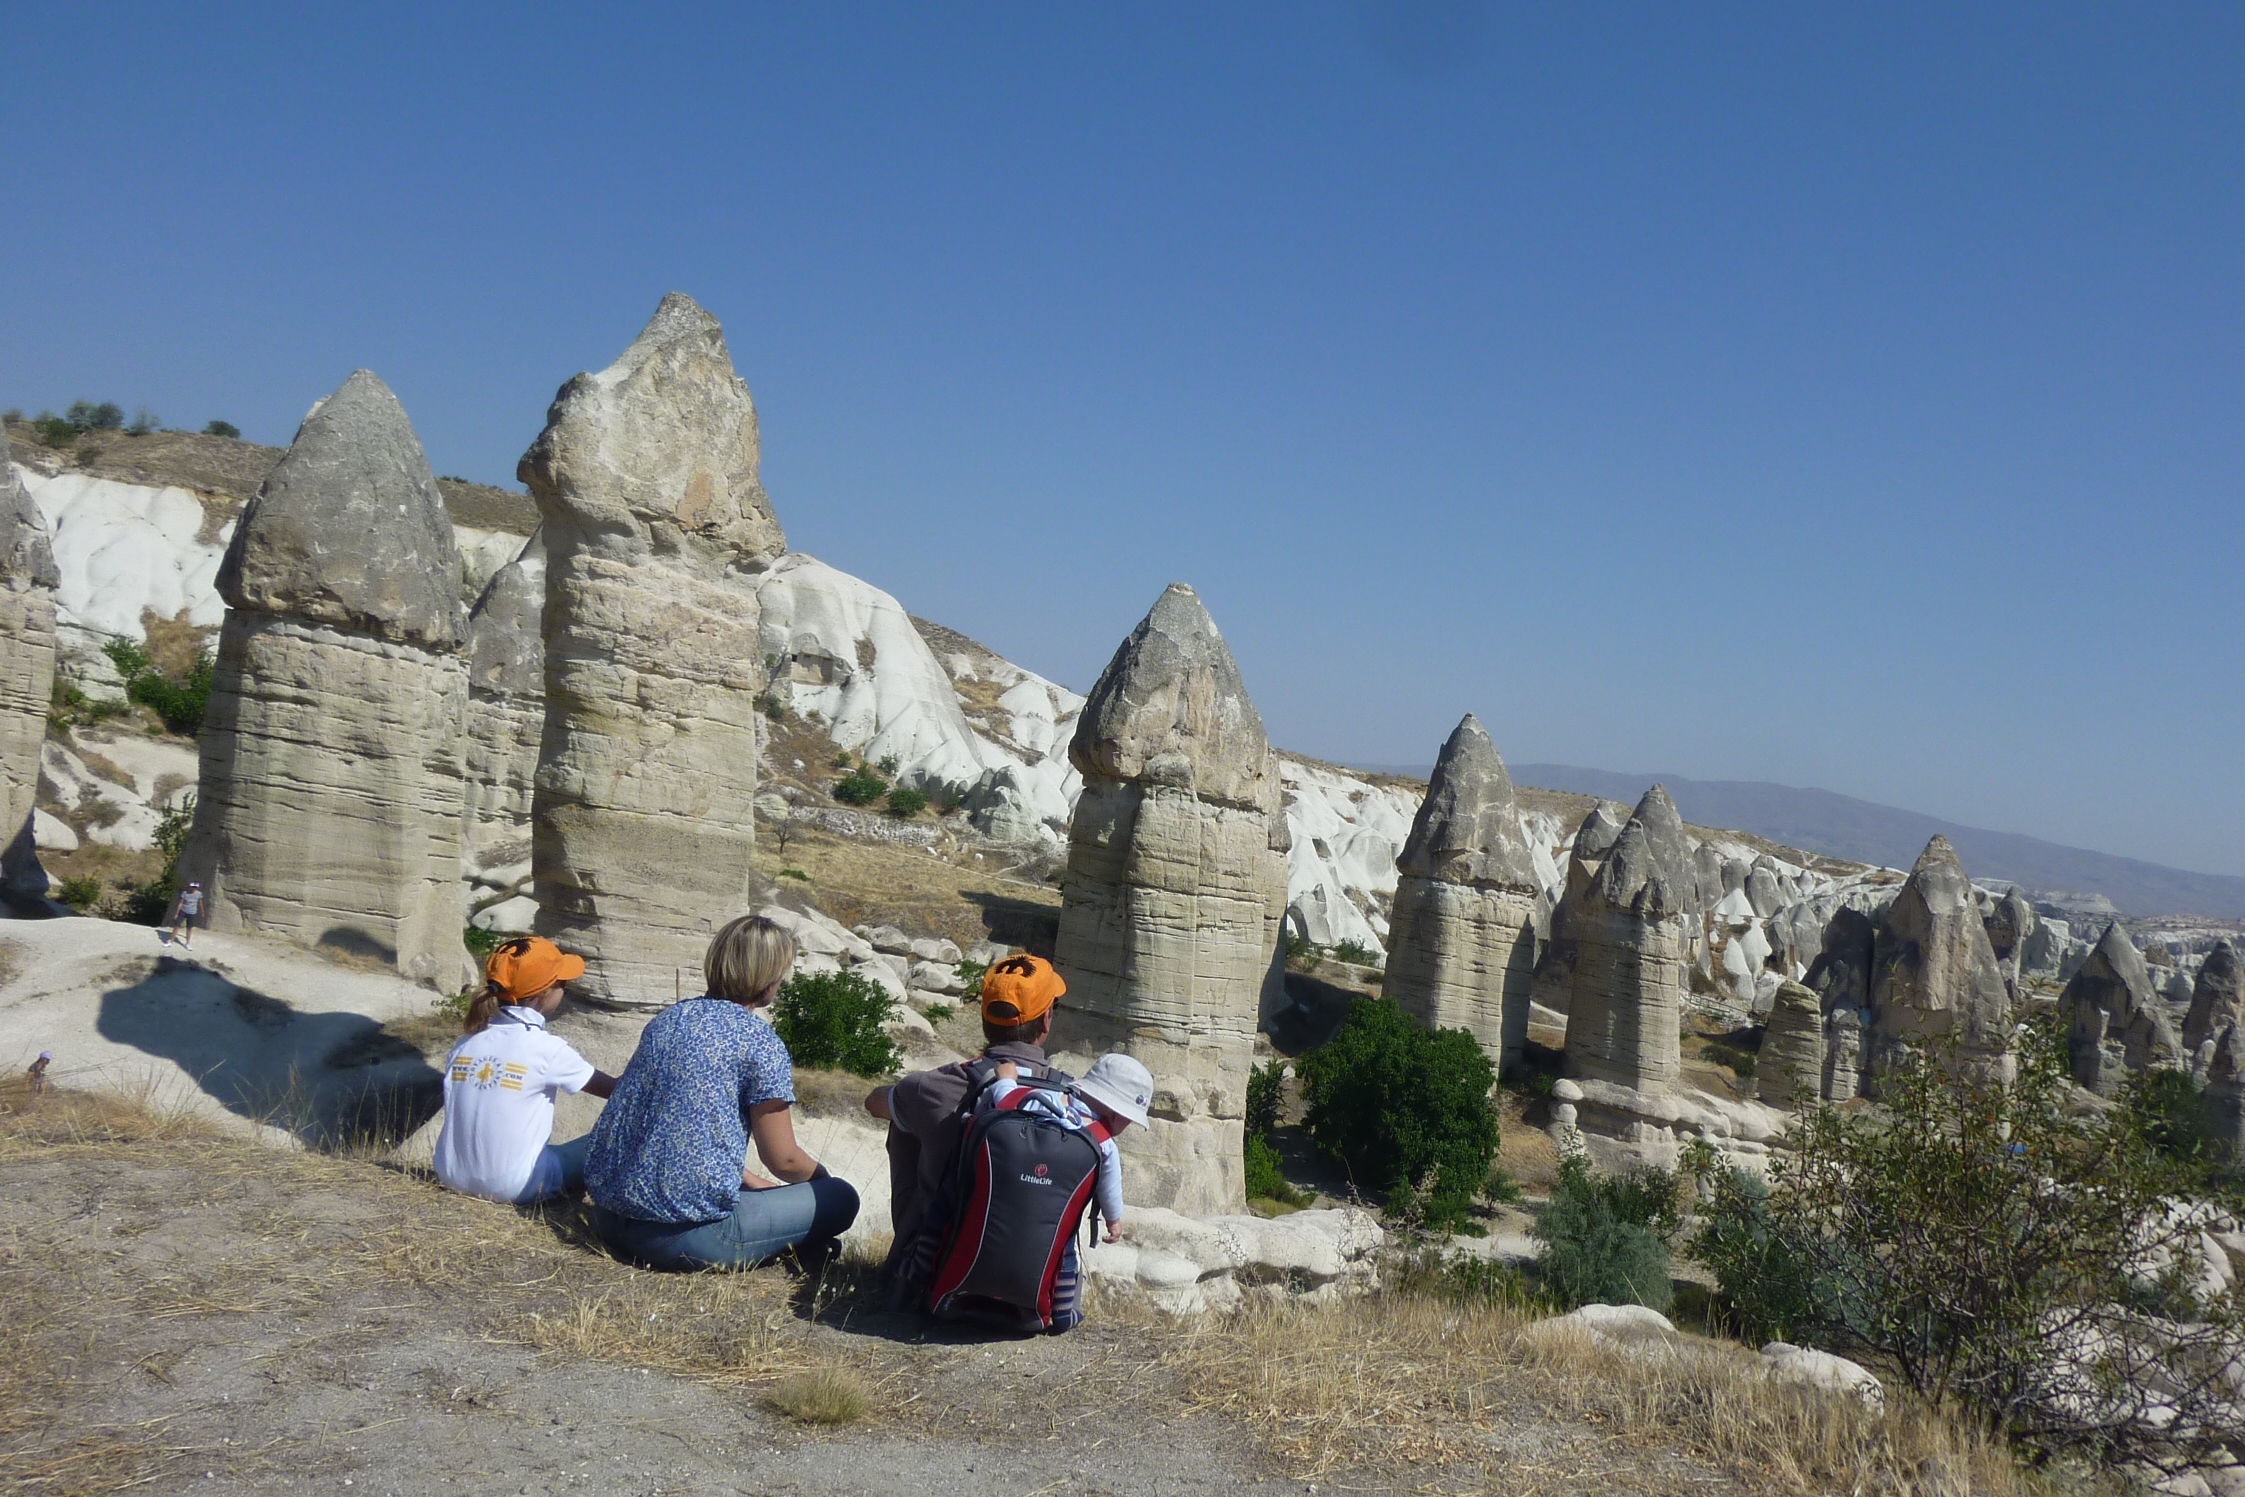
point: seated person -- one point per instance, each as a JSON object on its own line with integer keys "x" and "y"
{"x": 501, "y": 1079}
{"x": 668, "y": 1173}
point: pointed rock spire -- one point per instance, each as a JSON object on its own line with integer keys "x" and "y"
{"x": 2113, "y": 1024}
{"x": 1649, "y": 868}
{"x": 1934, "y": 978}
{"x": 1468, "y": 828}
{"x": 2217, "y": 999}
{"x": 506, "y": 651}
{"x": 349, "y": 528}
{"x": 1171, "y": 708}
{"x": 27, "y": 557}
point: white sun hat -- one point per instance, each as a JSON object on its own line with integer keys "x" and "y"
{"x": 1118, "y": 1082}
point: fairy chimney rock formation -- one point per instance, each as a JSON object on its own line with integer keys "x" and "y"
{"x": 1792, "y": 1061}
{"x": 1462, "y": 937}
{"x": 1553, "y": 986}
{"x": 655, "y": 527}
{"x": 1175, "y": 885}
{"x": 2217, "y": 1000}
{"x": 27, "y": 666}
{"x": 1934, "y": 977}
{"x": 1624, "y": 1017}
{"x": 506, "y": 718}
{"x": 2113, "y": 1022}
{"x": 328, "y": 806}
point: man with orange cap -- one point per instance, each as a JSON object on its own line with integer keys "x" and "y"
{"x": 927, "y": 1111}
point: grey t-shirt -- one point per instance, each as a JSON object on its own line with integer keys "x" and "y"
{"x": 924, "y": 1129}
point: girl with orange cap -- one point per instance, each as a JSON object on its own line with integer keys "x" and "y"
{"x": 501, "y": 1079}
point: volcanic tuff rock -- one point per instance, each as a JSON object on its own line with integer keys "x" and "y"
{"x": 1624, "y": 1016}
{"x": 2113, "y": 1022}
{"x": 2217, "y": 999}
{"x": 1462, "y": 935}
{"x": 2225, "y": 1090}
{"x": 1792, "y": 1057}
{"x": 1554, "y": 982}
{"x": 330, "y": 789}
{"x": 1173, "y": 894}
{"x": 27, "y": 664}
{"x": 506, "y": 718}
{"x": 655, "y": 524}
{"x": 1934, "y": 978}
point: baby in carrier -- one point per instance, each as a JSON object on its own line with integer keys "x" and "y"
{"x": 1114, "y": 1094}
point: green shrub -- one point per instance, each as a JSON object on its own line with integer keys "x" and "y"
{"x": 1266, "y": 1098}
{"x": 179, "y": 703}
{"x": 1265, "y": 1180}
{"x": 144, "y": 421}
{"x": 905, "y": 802}
{"x": 833, "y": 1020}
{"x": 937, "y": 1013}
{"x": 80, "y": 893}
{"x": 795, "y": 873}
{"x": 87, "y": 416}
{"x": 1468, "y": 1281}
{"x": 2004, "y": 1251}
{"x": 2168, "y": 1111}
{"x": 1605, "y": 1237}
{"x": 970, "y": 977}
{"x": 1405, "y": 1108}
{"x": 480, "y": 942}
{"x": 222, "y": 429}
{"x": 54, "y": 431}
{"x": 888, "y": 764}
{"x": 858, "y": 788}
{"x": 1769, "y": 1290}
{"x": 1356, "y": 953}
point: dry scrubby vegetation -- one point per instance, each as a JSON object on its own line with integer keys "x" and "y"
{"x": 1435, "y": 1383}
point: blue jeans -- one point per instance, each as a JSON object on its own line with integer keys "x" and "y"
{"x": 560, "y": 1171}
{"x": 764, "y": 1224}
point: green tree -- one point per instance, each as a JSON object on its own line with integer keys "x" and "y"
{"x": 1605, "y": 1237}
{"x": 834, "y": 1019}
{"x": 1405, "y": 1108}
{"x": 221, "y": 429}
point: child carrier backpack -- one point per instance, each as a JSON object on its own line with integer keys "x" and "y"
{"x": 1019, "y": 1190}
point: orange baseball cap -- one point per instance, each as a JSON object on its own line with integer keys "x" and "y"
{"x": 1019, "y": 990}
{"x": 528, "y": 965}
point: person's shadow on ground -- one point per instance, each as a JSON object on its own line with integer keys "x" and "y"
{"x": 331, "y": 1079}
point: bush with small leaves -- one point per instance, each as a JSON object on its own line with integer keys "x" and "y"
{"x": 144, "y": 421}
{"x": 81, "y": 893}
{"x": 222, "y": 429}
{"x": 971, "y": 975}
{"x": 1605, "y": 1237}
{"x": 480, "y": 942}
{"x": 54, "y": 431}
{"x": 833, "y": 1020}
{"x": 857, "y": 788}
{"x": 1356, "y": 953}
{"x": 1266, "y": 1098}
{"x": 905, "y": 802}
{"x": 149, "y": 904}
{"x": 1299, "y": 951}
{"x": 87, "y": 416}
{"x": 1406, "y": 1109}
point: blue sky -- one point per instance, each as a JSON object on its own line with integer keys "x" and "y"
{"x": 1845, "y": 396}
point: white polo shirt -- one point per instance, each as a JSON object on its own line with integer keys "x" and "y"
{"x": 499, "y": 1088}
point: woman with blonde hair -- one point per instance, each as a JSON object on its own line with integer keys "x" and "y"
{"x": 668, "y": 1174}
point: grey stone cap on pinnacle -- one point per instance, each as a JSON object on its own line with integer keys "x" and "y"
{"x": 2218, "y": 997}
{"x": 27, "y": 559}
{"x": 1468, "y": 828}
{"x": 349, "y": 529}
{"x": 1599, "y": 830}
{"x": 1170, "y": 708}
{"x": 506, "y": 649}
{"x": 664, "y": 439}
{"x": 1649, "y": 868}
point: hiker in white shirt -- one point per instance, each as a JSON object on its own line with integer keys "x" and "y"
{"x": 501, "y": 1079}
{"x": 1114, "y": 1093}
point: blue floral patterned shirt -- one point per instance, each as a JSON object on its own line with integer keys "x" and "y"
{"x": 671, "y": 1142}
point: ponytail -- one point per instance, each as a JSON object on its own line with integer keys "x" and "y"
{"x": 483, "y": 1008}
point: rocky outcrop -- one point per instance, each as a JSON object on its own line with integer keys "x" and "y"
{"x": 1935, "y": 984}
{"x": 2217, "y": 999}
{"x": 2113, "y": 1021}
{"x": 1185, "y": 1265}
{"x": 1172, "y": 896}
{"x": 28, "y": 577}
{"x": 329, "y": 798}
{"x": 506, "y": 718}
{"x": 655, "y": 525}
{"x": 2225, "y": 1091}
{"x": 1552, "y": 988}
{"x": 1841, "y": 979}
{"x": 2010, "y": 921}
{"x": 1791, "y": 1063}
{"x": 1462, "y": 935}
{"x": 1625, "y": 1012}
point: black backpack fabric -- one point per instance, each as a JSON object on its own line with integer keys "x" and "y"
{"x": 1023, "y": 1182}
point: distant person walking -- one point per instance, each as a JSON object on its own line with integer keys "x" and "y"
{"x": 38, "y": 1074}
{"x": 668, "y": 1174}
{"x": 501, "y": 1079}
{"x": 186, "y": 914}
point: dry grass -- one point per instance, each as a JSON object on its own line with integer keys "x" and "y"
{"x": 830, "y": 1395}
{"x": 1524, "y": 1151}
{"x": 1400, "y": 1381}
{"x": 877, "y": 882}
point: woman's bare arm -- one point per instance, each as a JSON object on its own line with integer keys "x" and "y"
{"x": 772, "y": 1125}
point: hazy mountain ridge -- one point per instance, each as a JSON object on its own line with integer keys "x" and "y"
{"x": 1841, "y": 826}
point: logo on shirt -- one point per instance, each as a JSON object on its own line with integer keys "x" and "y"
{"x": 484, "y": 1073}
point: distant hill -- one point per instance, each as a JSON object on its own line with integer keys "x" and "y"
{"x": 1841, "y": 826}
